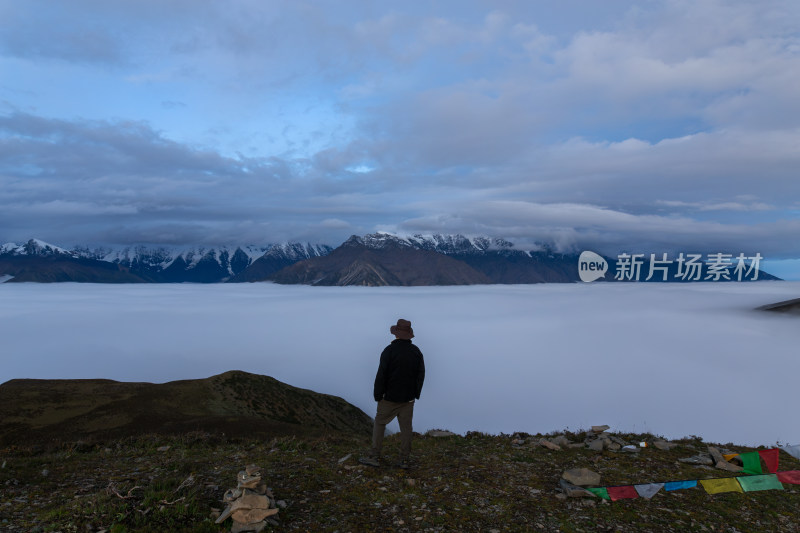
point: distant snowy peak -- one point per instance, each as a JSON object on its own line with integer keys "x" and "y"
{"x": 34, "y": 247}
{"x": 297, "y": 251}
{"x": 205, "y": 264}
{"x": 128, "y": 255}
{"x": 444, "y": 244}
{"x": 163, "y": 257}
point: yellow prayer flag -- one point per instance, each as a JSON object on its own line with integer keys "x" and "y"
{"x": 729, "y": 456}
{"x": 725, "y": 484}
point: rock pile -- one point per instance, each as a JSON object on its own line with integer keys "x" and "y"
{"x": 713, "y": 458}
{"x": 250, "y": 504}
{"x": 598, "y": 439}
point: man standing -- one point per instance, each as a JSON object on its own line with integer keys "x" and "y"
{"x": 397, "y": 384}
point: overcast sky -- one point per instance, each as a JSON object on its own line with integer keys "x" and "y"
{"x": 652, "y": 126}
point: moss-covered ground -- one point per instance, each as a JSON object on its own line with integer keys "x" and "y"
{"x": 477, "y": 482}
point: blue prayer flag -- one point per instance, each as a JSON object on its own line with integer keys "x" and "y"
{"x": 676, "y": 485}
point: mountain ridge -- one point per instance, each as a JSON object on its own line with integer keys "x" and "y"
{"x": 140, "y": 263}
{"x": 373, "y": 259}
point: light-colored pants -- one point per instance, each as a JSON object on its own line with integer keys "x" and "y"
{"x": 387, "y": 411}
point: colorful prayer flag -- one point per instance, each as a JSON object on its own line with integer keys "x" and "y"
{"x": 677, "y": 485}
{"x": 648, "y": 490}
{"x": 620, "y": 493}
{"x": 771, "y": 459}
{"x": 725, "y": 484}
{"x": 600, "y": 492}
{"x": 751, "y": 463}
{"x": 794, "y": 451}
{"x": 763, "y": 482}
{"x": 790, "y": 476}
{"x": 729, "y": 456}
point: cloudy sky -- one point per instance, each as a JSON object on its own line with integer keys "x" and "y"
{"x": 652, "y": 126}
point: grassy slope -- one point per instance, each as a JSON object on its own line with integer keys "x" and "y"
{"x": 234, "y": 403}
{"x": 473, "y": 483}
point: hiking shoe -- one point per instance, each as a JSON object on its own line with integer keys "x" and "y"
{"x": 403, "y": 463}
{"x": 369, "y": 460}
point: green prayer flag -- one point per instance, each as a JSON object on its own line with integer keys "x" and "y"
{"x": 751, "y": 462}
{"x": 600, "y": 492}
{"x": 763, "y": 482}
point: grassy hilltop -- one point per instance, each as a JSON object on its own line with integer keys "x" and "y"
{"x": 175, "y": 480}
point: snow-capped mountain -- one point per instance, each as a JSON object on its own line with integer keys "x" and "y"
{"x": 278, "y": 257}
{"x": 34, "y": 247}
{"x": 373, "y": 259}
{"x": 387, "y": 259}
{"x": 161, "y": 264}
{"x": 443, "y": 244}
{"x": 178, "y": 264}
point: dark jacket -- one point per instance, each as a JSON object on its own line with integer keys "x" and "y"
{"x": 401, "y": 372}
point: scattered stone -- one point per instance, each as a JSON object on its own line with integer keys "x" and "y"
{"x": 582, "y": 477}
{"x": 699, "y": 459}
{"x": 440, "y": 433}
{"x": 561, "y": 440}
{"x": 720, "y": 462}
{"x": 617, "y": 440}
{"x": 549, "y": 445}
{"x": 45, "y": 472}
{"x": 599, "y": 429}
{"x": 663, "y": 445}
{"x": 729, "y": 467}
{"x": 249, "y": 479}
{"x": 517, "y": 442}
{"x": 250, "y": 504}
{"x": 251, "y": 516}
{"x": 345, "y": 458}
{"x": 576, "y": 445}
{"x": 238, "y": 527}
{"x": 597, "y": 445}
{"x": 715, "y": 454}
{"x": 162, "y": 448}
{"x": 614, "y": 447}
{"x": 573, "y": 491}
{"x": 631, "y": 448}
{"x": 232, "y": 495}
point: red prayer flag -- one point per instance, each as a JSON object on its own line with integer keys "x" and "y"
{"x": 619, "y": 493}
{"x": 790, "y": 476}
{"x": 770, "y": 459}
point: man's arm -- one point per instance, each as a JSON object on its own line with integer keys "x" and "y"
{"x": 380, "y": 378}
{"x": 420, "y": 374}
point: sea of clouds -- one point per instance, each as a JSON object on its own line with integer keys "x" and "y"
{"x": 671, "y": 359}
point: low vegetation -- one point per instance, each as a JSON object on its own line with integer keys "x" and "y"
{"x": 475, "y": 482}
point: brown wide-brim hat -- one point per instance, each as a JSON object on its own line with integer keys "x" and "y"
{"x": 402, "y": 330}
